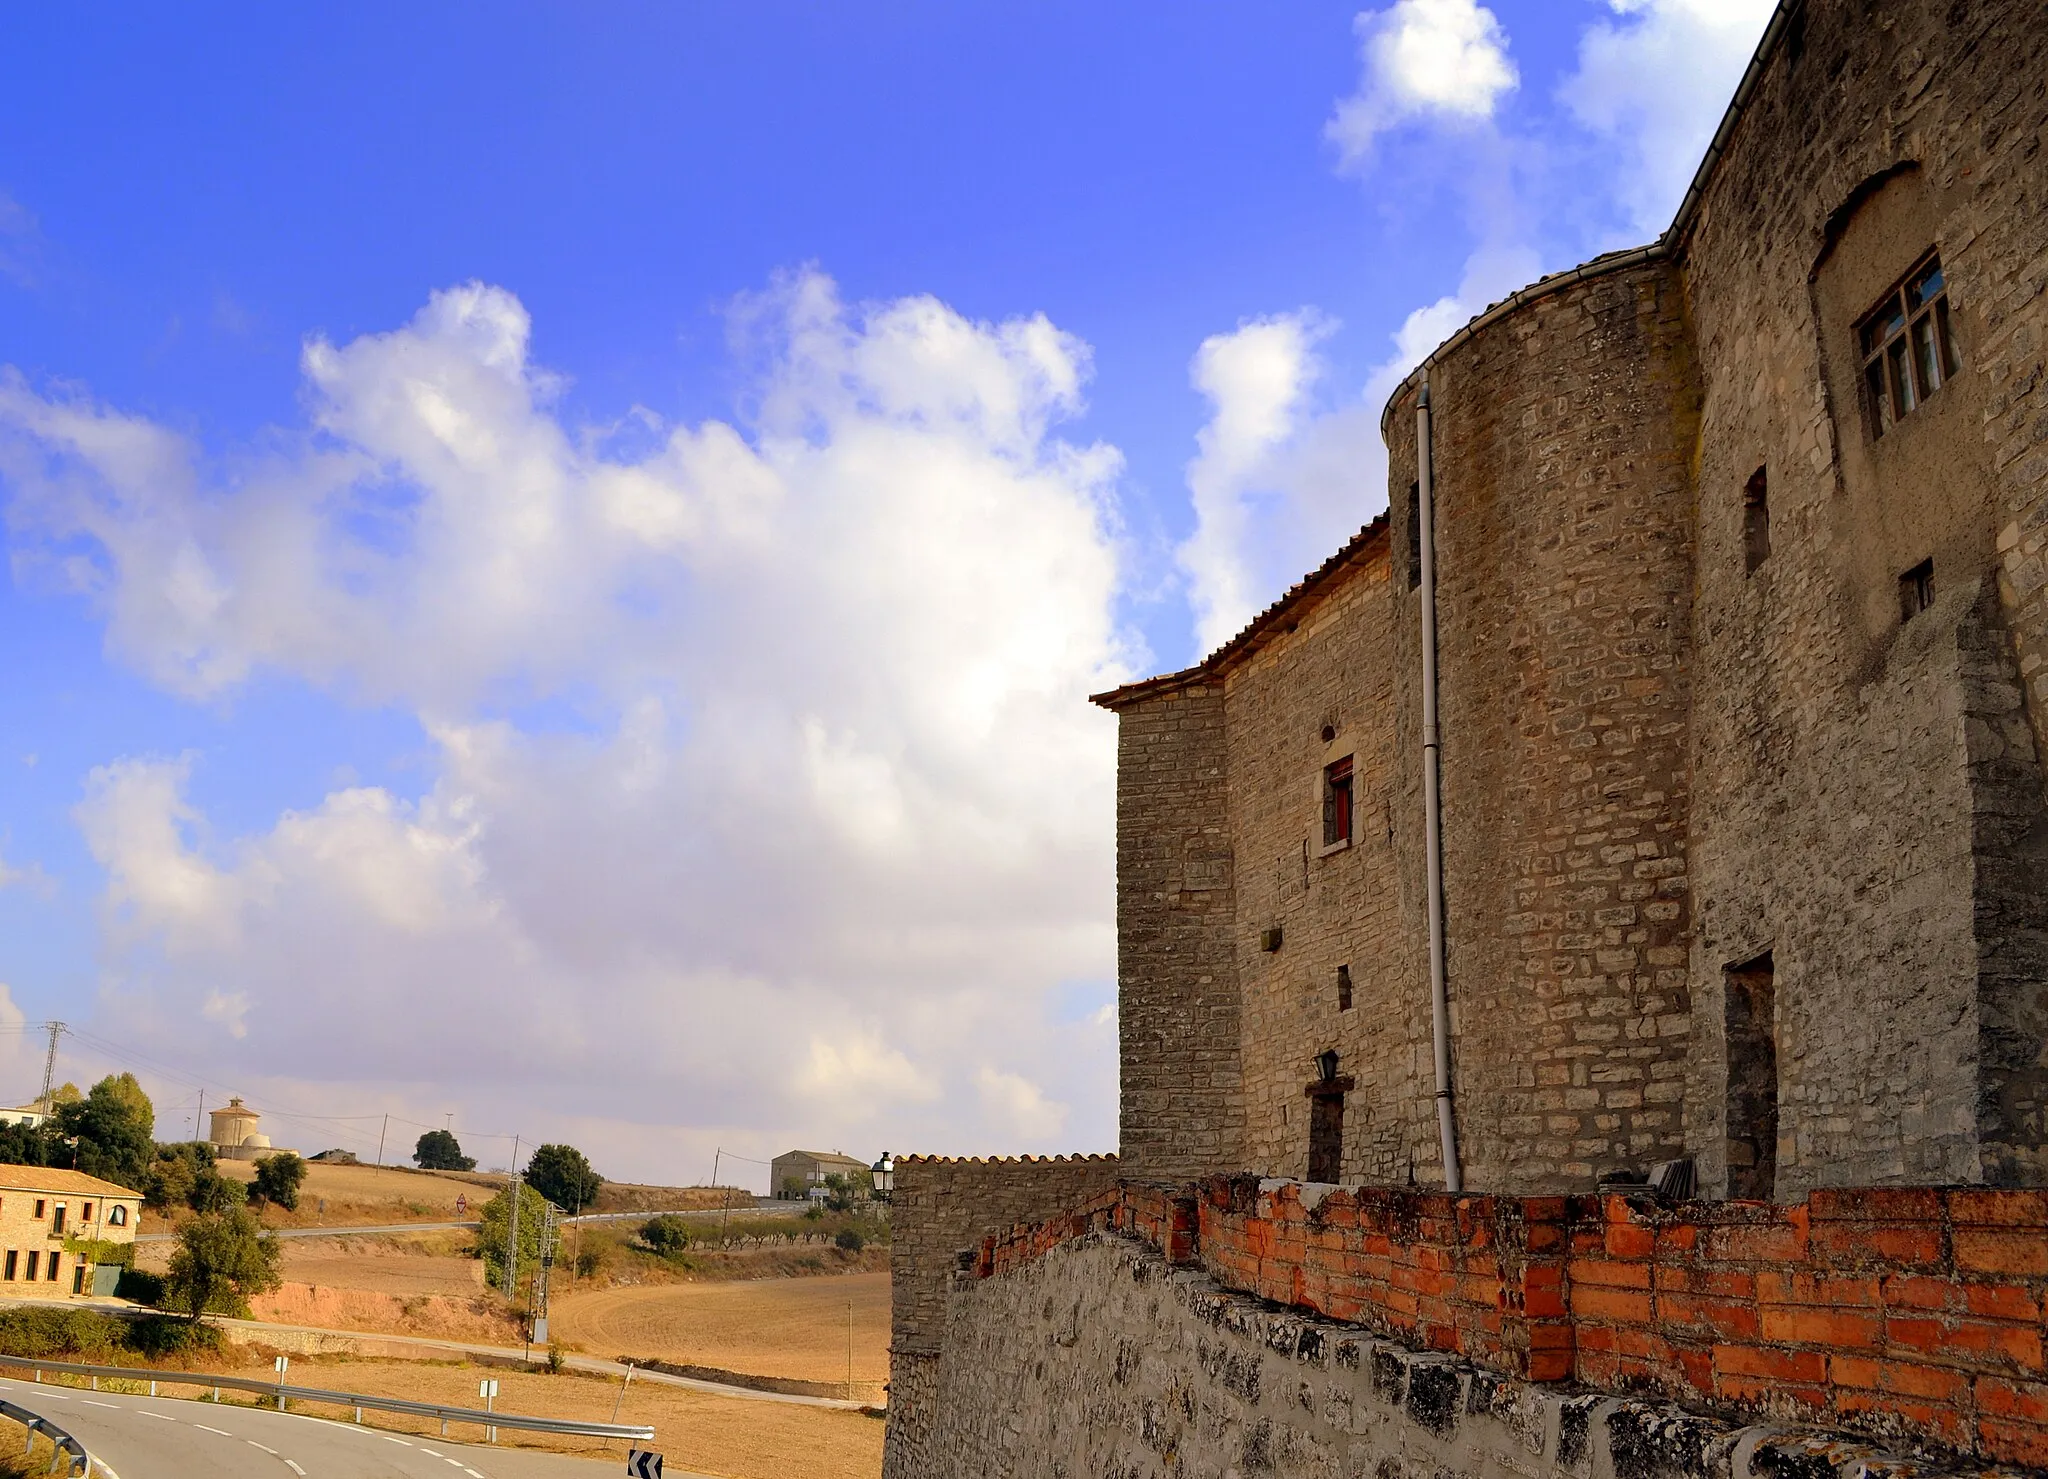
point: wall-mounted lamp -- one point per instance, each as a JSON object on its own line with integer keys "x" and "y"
{"x": 1326, "y": 1065}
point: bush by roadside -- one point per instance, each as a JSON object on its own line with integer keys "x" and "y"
{"x": 92, "y": 1338}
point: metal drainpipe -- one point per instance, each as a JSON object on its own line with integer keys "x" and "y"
{"x": 1432, "y": 804}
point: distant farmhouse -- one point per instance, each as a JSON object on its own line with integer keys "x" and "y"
{"x": 52, "y": 1225}
{"x": 796, "y": 1173}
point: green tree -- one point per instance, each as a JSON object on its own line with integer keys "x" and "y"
{"x": 278, "y": 1179}
{"x": 221, "y": 1259}
{"x": 666, "y": 1235}
{"x": 33, "y": 1145}
{"x": 213, "y": 1192}
{"x": 173, "y": 1174}
{"x": 563, "y": 1175}
{"x": 844, "y": 1193}
{"x": 115, "y": 1129}
{"x": 437, "y": 1150}
{"x": 490, "y": 1239}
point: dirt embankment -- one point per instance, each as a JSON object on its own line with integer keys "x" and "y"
{"x": 480, "y": 1317}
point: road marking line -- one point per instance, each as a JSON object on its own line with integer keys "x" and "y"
{"x": 430, "y": 1453}
{"x": 160, "y": 1417}
{"x": 389, "y": 1439}
{"x": 110, "y": 1406}
{"x": 216, "y": 1431}
{"x": 294, "y": 1468}
{"x": 254, "y": 1444}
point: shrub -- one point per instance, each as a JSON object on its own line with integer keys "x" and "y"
{"x": 850, "y": 1239}
{"x": 141, "y": 1286}
{"x": 556, "y": 1360}
{"x": 99, "y": 1339}
{"x": 213, "y": 1193}
{"x": 278, "y": 1179}
{"x": 666, "y": 1235}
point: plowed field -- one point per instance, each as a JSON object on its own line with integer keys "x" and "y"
{"x": 771, "y": 1327}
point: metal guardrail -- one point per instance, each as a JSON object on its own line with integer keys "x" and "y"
{"x": 35, "y": 1422}
{"x": 357, "y": 1400}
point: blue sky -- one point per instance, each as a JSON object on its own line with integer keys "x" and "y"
{"x": 556, "y": 553}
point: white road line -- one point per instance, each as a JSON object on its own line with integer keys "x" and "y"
{"x": 110, "y": 1406}
{"x": 160, "y": 1417}
{"x": 430, "y": 1453}
{"x": 389, "y": 1439}
{"x": 106, "y": 1468}
{"x": 294, "y": 1468}
{"x": 254, "y": 1444}
{"x": 216, "y": 1431}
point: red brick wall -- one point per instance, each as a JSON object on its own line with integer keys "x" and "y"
{"x": 1905, "y": 1312}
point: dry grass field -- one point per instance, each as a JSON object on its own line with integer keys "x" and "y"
{"x": 770, "y": 1327}
{"x": 424, "y": 1263}
{"x": 372, "y": 1194}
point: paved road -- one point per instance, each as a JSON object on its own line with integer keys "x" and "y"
{"x": 171, "y": 1438}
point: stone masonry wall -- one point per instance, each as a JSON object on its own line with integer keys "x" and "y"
{"x": 1564, "y": 517}
{"x": 1100, "y": 1358}
{"x": 938, "y": 1208}
{"x": 1911, "y": 1316}
{"x": 1864, "y": 790}
{"x": 1182, "y": 1090}
{"x": 1332, "y": 667}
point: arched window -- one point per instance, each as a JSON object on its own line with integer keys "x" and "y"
{"x": 118, "y": 1217}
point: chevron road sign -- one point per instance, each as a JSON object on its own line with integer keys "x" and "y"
{"x": 643, "y": 1465}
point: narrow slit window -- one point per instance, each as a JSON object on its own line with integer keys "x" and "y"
{"x": 13, "y": 1264}
{"x": 1908, "y": 348}
{"x": 1343, "y": 988}
{"x": 1916, "y": 590}
{"x": 35, "y": 1259}
{"x": 1337, "y": 798}
{"x": 1750, "y": 1015}
{"x": 1756, "y": 521}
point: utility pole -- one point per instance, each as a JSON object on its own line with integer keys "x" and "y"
{"x": 512, "y": 1228}
{"x": 380, "y": 1141}
{"x": 724, "y": 1198}
{"x": 537, "y": 1325}
{"x": 56, "y": 1030}
{"x": 199, "y": 1119}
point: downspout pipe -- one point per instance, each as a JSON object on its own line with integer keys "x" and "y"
{"x": 1432, "y": 801}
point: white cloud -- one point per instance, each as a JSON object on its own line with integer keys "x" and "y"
{"x": 1653, "y": 84}
{"x": 1009, "y": 1098}
{"x": 819, "y": 803}
{"x": 1445, "y": 60}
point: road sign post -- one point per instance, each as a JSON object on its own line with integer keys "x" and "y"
{"x": 283, "y": 1364}
{"x": 488, "y": 1390}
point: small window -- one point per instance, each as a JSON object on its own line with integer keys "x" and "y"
{"x": 1337, "y": 802}
{"x": 57, "y": 1220}
{"x": 118, "y": 1217}
{"x": 13, "y": 1265}
{"x": 85, "y": 1213}
{"x": 55, "y": 1259}
{"x": 1343, "y": 988}
{"x": 39, "y": 1207}
{"x": 1756, "y": 521}
{"x": 34, "y": 1263}
{"x": 1916, "y": 590}
{"x": 1908, "y": 349}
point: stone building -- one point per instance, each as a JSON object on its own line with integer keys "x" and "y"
{"x": 56, "y": 1228}
{"x": 1738, "y": 559}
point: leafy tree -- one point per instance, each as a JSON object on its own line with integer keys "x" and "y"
{"x": 850, "y": 1239}
{"x": 63, "y": 1094}
{"x": 33, "y": 1145}
{"x": 490, "y": 1239}
{"x": 563, "y": 1175}
{"x": 115, "y": 1129}
{"x": 174, "y": 1173}
{"x": 221, "y": 1259}
{"x": 844, "y": 1193}
{"x": 212, "y": 1192}
{"x": 278, "y": 1179}
{"x": 438, "y": 1150}
{"x": 666, "y": 1235}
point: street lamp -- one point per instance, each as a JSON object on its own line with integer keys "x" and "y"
{"x": 1326, "y": 1064}
{"x": 884, "y": 1172}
